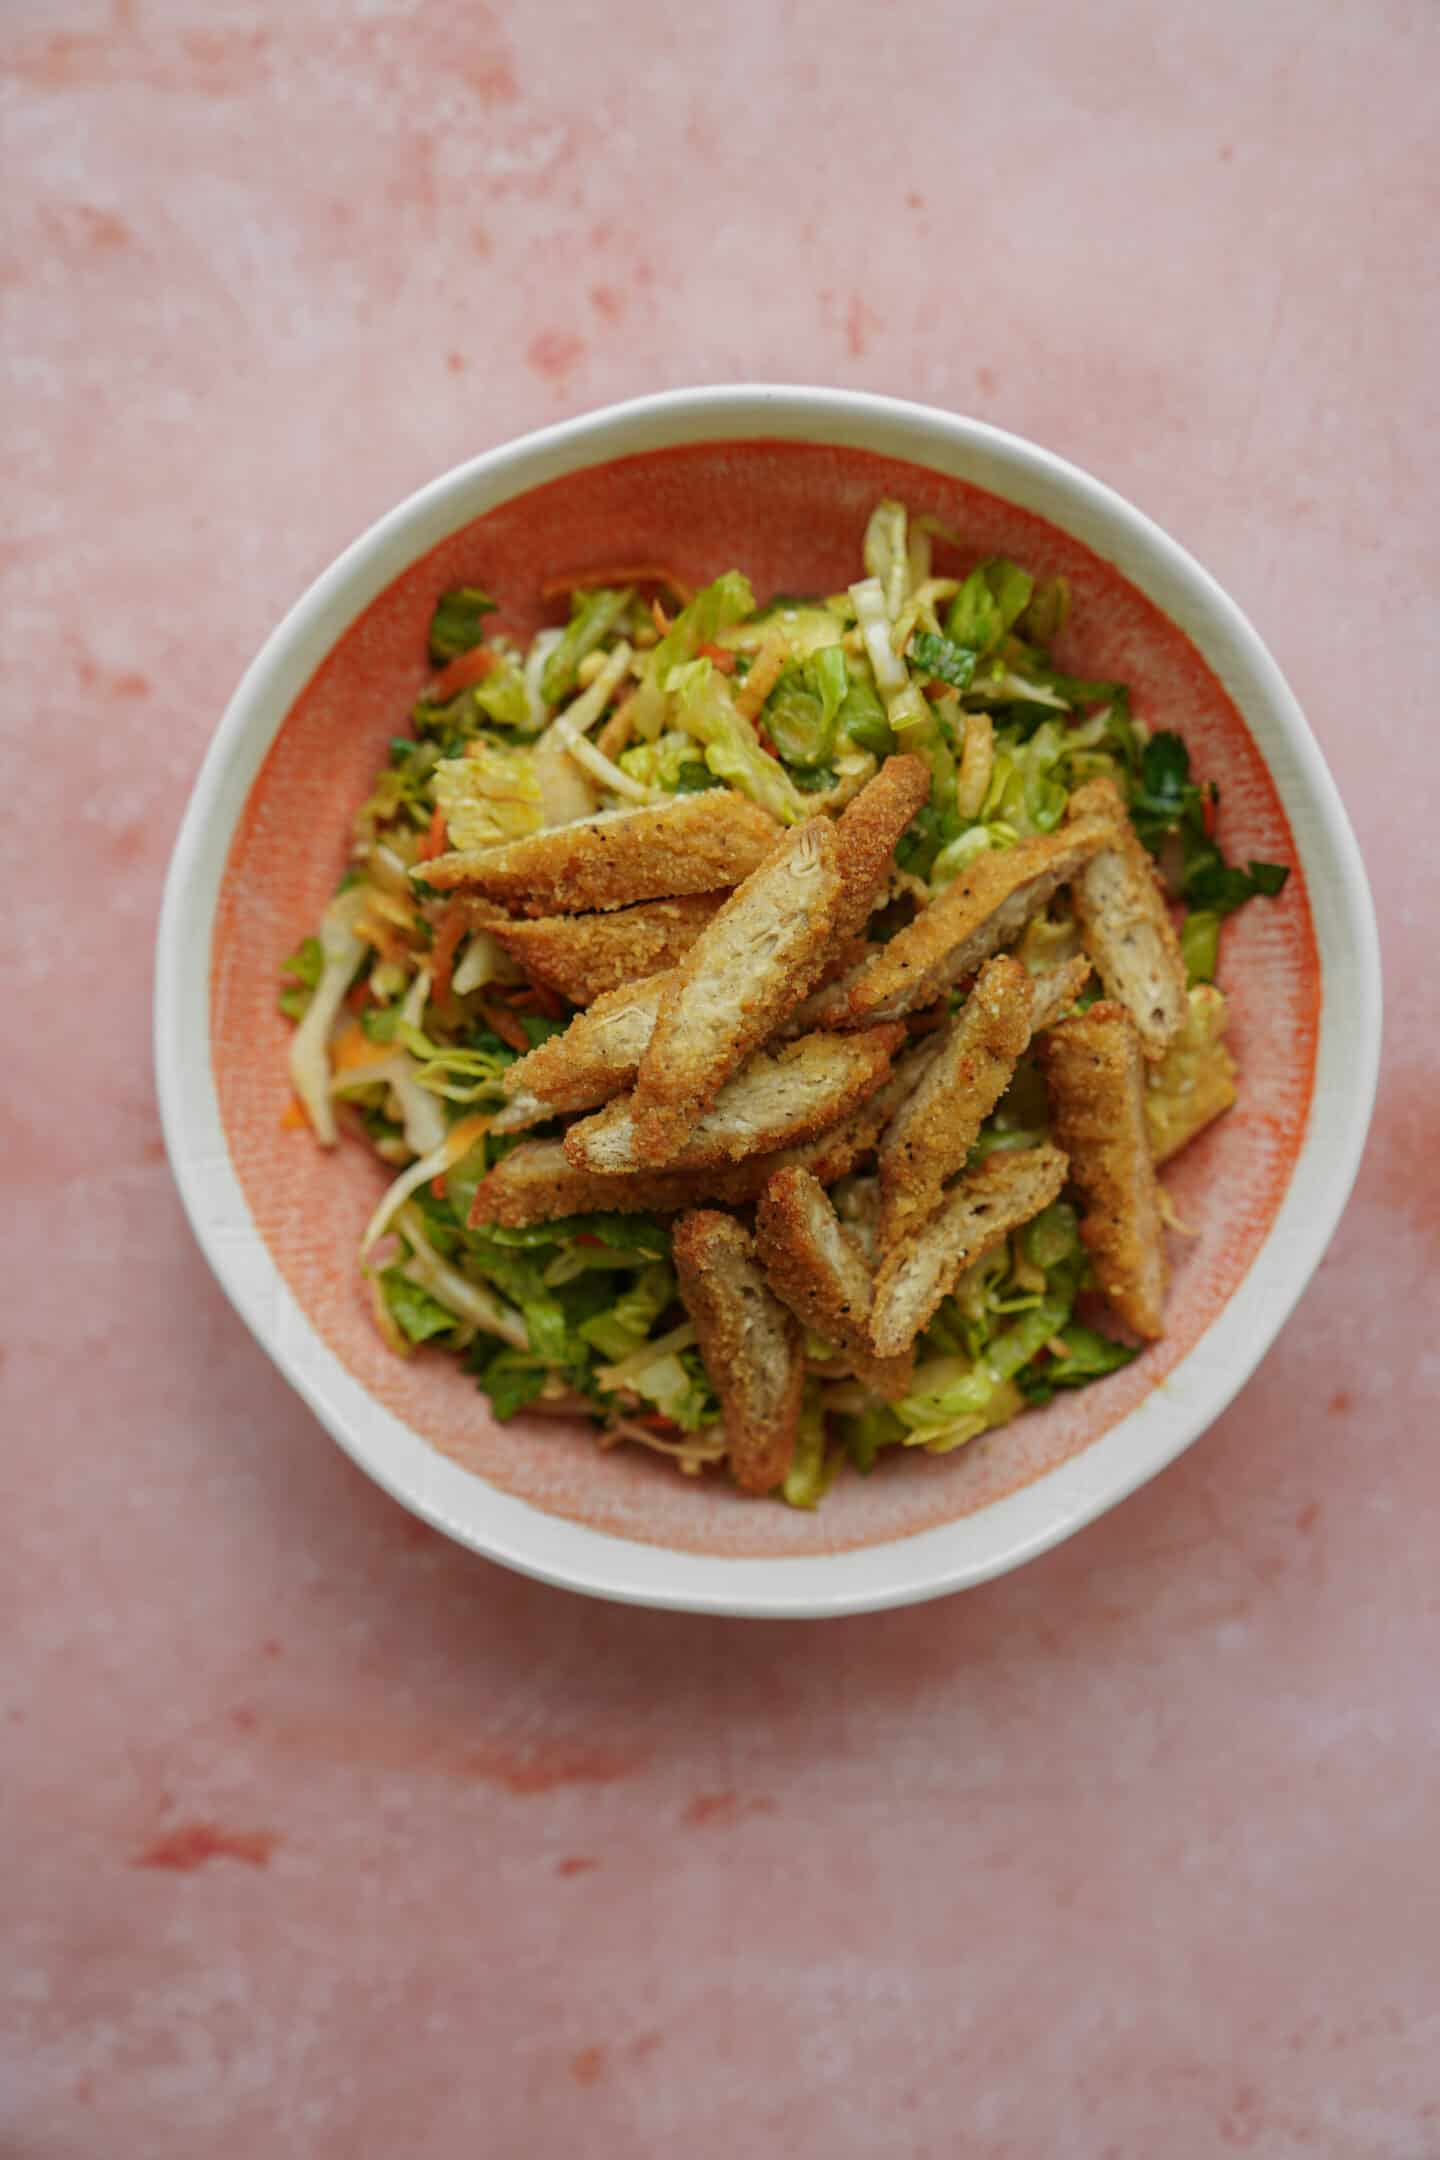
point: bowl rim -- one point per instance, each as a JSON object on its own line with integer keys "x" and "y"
{"x": 1024, "y": 1523}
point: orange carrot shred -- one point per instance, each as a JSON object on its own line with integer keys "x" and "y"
{"x": 434, "y": 841}
{"x": 504, "y": 1024}
{"x": 449, "y": 930}
{"x": 555, "y": 588}
{"x": 463, "y": 671}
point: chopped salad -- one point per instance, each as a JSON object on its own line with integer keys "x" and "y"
{"x": 773, "y": 1015}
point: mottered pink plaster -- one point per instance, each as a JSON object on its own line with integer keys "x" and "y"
{"x": 323, "y": 1837}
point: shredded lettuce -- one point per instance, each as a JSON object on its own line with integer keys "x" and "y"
{"x": 593, "y": 615}
{"x": 714, "y": 608}
{"x": 301, "y": 974}
{"x": 990, "y": 600}
{"x": 1088, "y": 1356}
{"x": 417, "y": 1314}
{"x": 941, "y": 657}
{"x": 502, "y": 700}
{"x": 455, "y": 626}
{"x": 868, "y": 1432}
{"x": 886, "y": 553}
{"x": 1200, "y": 945}
{"x": 862, "y": 718}
{"x": 813, "y": 1469}
{"x": 510, "y": 1378}
{"x": 801, "y": 714}
{"x": 489, "y": 796}
{"x": 732, "y": 753}
{"x": 669, "y": 763}
{"x": 342, "y": 949}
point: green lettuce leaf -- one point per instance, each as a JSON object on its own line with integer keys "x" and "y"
{"x": 511, "y": 1378}
{"x": 417, "y": 1314}
{"x": 455, "y": 626}
{"x": 994, "y": 595}
{"x": 732, "y": 751}
{"x": 868, "y": 1433}
{"x": 942, "y": 658}
{"x": 1200, "y": 945}
{"x": 593, "y": 615}
{"x": 1167, "y": 803}
{"x": 862, "y": 718}
{"x": 714, "y": 608}
{"x": 801, "y": 714}
{"x": 1091, "y": 1356}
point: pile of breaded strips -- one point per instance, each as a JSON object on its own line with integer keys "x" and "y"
{"x": 742, "y": 1047}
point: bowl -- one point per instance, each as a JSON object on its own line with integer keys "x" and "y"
{"x": 778, "y": 481}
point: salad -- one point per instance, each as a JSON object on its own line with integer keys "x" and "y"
{"x": 773, "y": 1016}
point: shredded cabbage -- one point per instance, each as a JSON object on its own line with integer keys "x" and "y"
{"x": 341, "y": 952}
{"x": 489, "y": 796}
{"x": 703, "y": 706}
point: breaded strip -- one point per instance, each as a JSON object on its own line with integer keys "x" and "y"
{"x": 829, "y": 1003}
{"x": 751, "y": 1345}
{"x": 586, "y": 956}
{"x": 749, "y": 967}
{"x": 1096, "y": 1077}
{"x": 869, "y": 830}
{"x": 521, "y": 1112}
{"x": 536, "y": 1182}
{"x": 598, "y": 1054}
{"x": 986, "y": 908}
{"x": 1125, "y": 924}
{"x": 776, "y": 1100}
{"x": 980, "y": 1210}
{"x": 934, "y": 1130}
{"x": 816, "y": 1268}
{"x": 693, "y": 843}
{"x": 1054, "y": 992}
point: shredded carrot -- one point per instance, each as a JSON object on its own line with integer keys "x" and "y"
{"x": 357, "y": 998}
{"x": 434, "y": 841}
{"x": 653, "y": 1421}
{"x": 352, "y": 1049}
{"x": 451, "y": 927}
{"x": 615, "y": 734}
{"x": 586, "y": 1239}
{"x": 466, "y": 668}
{"x": 768, "y": 667}
{"x": 660, "y": 619}
{"x": 555, "y": 588}
{"x": 539, "y": 997}
{"x": 719, "y": 657}
{"x": 437, "y": 1185}
{"x": 293, "y": 1117}
{"x": 504, "y": 1024}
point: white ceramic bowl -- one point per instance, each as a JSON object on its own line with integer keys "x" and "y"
{"x": 973, "y": 1546}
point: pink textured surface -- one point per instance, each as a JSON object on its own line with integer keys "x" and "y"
{"x": 322, "y": 1837}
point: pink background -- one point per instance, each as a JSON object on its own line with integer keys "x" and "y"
{"x": 321, "y": 1837}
